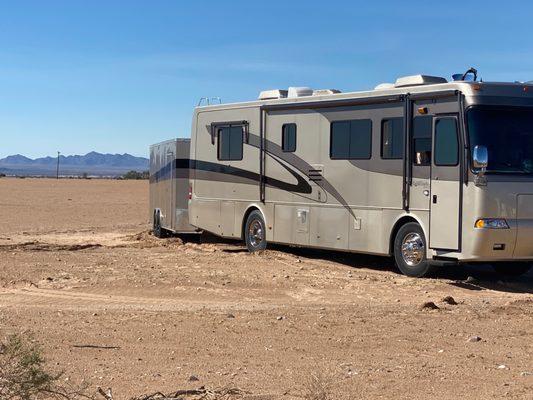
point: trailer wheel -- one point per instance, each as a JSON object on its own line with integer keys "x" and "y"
{"x": 410, "y": 251}
{"x": 511, "y": 269}
{"x": 255, "y": 232}
{"x": 157, "y": 230}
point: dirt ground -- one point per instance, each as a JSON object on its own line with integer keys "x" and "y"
{"x": 78, "y": 268}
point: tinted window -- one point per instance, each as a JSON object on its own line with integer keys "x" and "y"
{"x": 422, "y": 140}
{"x": 507, "y": 133}
{"x": 392, "y": 138}
{"x": 288, "y": 137}
{"x": 230, "y": 143}
{"x": 351, "y": 139}
{"x": 446, "y": 145}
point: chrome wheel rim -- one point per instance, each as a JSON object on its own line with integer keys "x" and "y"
{"x": 255, "y": 233}
{"x": 413, "y": 249}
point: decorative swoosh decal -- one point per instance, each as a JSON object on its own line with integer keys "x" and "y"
{"x": 220, "y": 172}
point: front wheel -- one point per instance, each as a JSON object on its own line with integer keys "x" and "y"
{"x": 410, "y": 251}
{"x": 255, "y": 232}
{"x": 512, "y": 269}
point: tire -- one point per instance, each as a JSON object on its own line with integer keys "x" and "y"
{"x": 410, "y": 251}
{"x": 511, "y": 269}
{"x": 255, "y": 232}
{"x": 157, "y": 230}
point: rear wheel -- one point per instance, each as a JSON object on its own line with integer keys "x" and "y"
{"x": 157, "y": 230}
{"x": 512, "y": 269}
{"x": 410, "y": 251}
{"x": 255, "y": 232}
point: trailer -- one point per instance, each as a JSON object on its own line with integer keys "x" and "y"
{"x": 169, "y": 187}
{"x": 424, "y": 170}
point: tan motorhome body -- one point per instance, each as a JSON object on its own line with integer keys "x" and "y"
{"x": 309, "y": 199}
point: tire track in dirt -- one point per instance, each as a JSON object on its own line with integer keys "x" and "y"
{"x": 34, "y": 297}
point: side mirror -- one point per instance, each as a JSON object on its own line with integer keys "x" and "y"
{"x": 480, "y": 158}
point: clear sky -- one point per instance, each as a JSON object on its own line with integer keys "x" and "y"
{"x": 116, "y": 76}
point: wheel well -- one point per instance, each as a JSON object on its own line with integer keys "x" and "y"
{"x": 245, "y": 218}
{"x": 401, "y": 222}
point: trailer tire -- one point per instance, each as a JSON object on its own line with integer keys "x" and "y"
{"x": 410, "y": 251}
{"x": 255, "y": 232}
{"x": 511, "y": 268}
{"x": 157, "y": 230}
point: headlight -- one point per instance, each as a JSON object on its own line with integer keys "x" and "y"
{"x": 491, "y": 223}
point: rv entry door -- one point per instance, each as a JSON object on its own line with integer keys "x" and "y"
{"x": 445, "y": 191}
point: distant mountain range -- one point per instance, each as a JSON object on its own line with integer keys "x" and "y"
{"x": 92, "y": 163}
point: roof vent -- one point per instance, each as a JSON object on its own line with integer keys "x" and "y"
{"x": 383, "y": 86}
{"x": 322, "y": 92}
{"x": 417, "y": 80}
{"x": 272, "y": 94}
{"x": 299, "y": 91}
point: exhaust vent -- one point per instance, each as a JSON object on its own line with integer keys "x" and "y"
{"x": 322, "y": 92}
{"x": 272, "y": 94}
{"x": 383, "y": 86}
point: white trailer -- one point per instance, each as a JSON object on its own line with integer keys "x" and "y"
{"x": 169, "y": 187}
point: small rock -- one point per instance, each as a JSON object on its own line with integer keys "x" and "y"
{"x": 279, "y": 318}
{"x": 449, "y": 300}
{"x": 429, "y": 305}
{"x": 474, "y": 339}
{"x": 526, "y": 373}
{"x": 193, "y": 378}
{"x": 471, "y": 279}
{"x": 502, "y": 366}
{"x": 230, "y": 316}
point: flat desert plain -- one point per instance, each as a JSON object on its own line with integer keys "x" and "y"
{"x": 114, "y": 306}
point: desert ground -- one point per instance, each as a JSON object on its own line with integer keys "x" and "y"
{"x": 113, "y": 305}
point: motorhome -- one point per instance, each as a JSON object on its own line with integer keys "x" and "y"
{"x": 428, "y": 171}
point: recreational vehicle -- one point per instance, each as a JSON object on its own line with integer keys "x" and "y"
{"x": 428, "y": 171}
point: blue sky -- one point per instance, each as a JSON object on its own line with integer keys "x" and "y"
{"x": 116, "y": 76}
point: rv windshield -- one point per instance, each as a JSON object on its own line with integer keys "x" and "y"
{"x": 507, "y": 133}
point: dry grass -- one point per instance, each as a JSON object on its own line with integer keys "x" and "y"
{"x": 25, "y": 376}
{"x": 319, "y": 386}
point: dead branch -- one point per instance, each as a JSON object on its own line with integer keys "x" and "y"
{"x": 191, "y": 394}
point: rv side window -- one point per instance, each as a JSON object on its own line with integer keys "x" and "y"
{"x": 392, "y": 138}
{"x": 288, "y": 137}
{"x": 446, "y": 144}
{"x": 422, "y": 140}
{"x": 351, "y": 140}
{"x": 230, "y": 143}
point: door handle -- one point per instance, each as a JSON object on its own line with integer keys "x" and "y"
{"x": 434, "y": 199}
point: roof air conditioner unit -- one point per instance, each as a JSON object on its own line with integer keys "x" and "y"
{"x": 272, "y": 94}
{"x": 417, "y": 80}
{"x": 299, "y": 91}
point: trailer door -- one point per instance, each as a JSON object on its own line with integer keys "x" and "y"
{"x": 445, "y": 184}
{"x": 167, "y": 204}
